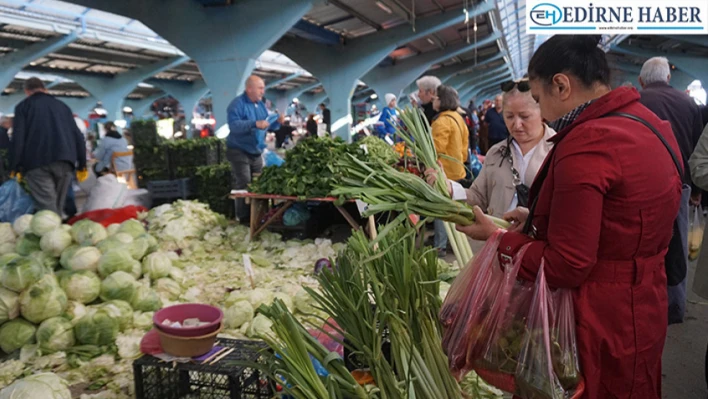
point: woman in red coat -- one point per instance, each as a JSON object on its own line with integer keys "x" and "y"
{"x": 603, "y": 217}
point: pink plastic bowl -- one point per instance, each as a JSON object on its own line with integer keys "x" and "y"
{"x": 181, "y": 312}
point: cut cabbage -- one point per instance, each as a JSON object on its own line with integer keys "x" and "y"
{"x": 168, "y": 289}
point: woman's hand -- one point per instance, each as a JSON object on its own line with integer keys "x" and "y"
{"x": 483, "y": 227}
{"x": 517, "y": 218}
{"x": 431, "y": 176}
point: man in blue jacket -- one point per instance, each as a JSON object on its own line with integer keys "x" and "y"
{"x": 46, "y": 146}
{"x": 247, "y": 116}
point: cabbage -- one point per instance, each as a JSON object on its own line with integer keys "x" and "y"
{"x": 112, "y": 229}
{"x": 304, "y": 302}
{"x": 82, "y": 286}
{"x": 138, "y": 248}
{"x": 132, "y": 227}
{"x": 121, "y": 311}
{"x": 47, "y": 260}
{"x": 43, "y": 385}
{"x": 6, "y": 258}
{"x": 168, "y": 288}
{"x": 9, "y": 305}
{"x": 256, "y": 297}
{"x": 125, "y": 238}
{"x": 238, "y": 314}
{"x": 146, "y": 299}
{"x": 87, "y": 232}
{"x": 6, "y": 233}
{"x": 42, "y": 300}
{"x": 44, "y": 221}
{"x": 55, "y": 241}
{"x": 118, "y": 285}
{"x": 27, "y": 244}
{"x": 97, "y": 327}
{"x": 81, "y": 258}
{"x": 22, "y": 224}
{"x": 259, "y": 326}
{"x": 74, "y": 311}
{"x": 287, "y": 300}
{"x": 143, "y": 320}
{"x": 67, "y": 254}
{"x": 110, "y": 243}
{"x": 153, "y": 245}
{"x": 15, "y": 334}
{"x": 444, "y": 288}
{"x": 7, "y": 248}
{"x": 177, "y": 275}
{"x": 20, "y": 273}
{"x": 157, "y": 265}
{"x": 115, "y": 260}
{"x": 55, "y": 334}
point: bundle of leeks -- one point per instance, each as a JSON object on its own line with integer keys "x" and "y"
{"x": 384, "y": 188}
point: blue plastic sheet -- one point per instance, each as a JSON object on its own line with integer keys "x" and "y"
{"x": 261, "y": 133}
{"x": 272, "y": 159}
{"x": 296, "y": 215}
{"x": 475, "y": 165}
{"x": 14, "y": 201}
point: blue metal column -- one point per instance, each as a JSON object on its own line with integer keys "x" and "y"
{"x": 112, "y": 91}
{"x": 340, "y": 67}
{"x": 393, "y": 79}
{"x": 224, "y": 41}
{"x": 462, "y": 81}
{"x": 288, "y": 78}
{"x": 283, "y": 98}
{"x": 469, "y": 87}
{"x": 81, "y": 106}
{"x": 480, "y": 87}
{"x": 447, "y": 72}
{"x": 311, "y": 101}
{"x": 13, "y": 63}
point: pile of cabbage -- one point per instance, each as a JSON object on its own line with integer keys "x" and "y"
{"x": 76, "y": 300}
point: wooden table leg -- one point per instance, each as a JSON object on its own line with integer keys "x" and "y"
{"x": 276, "y": 215}
{"x": 352, "y": 222}
{"x": 256, "y": 211}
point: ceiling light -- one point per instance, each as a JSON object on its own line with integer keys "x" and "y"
{"x": 467, "y": 15}
{"x": 384, "y": 7}
{"x": 431, "y": 41}
{"x": 374, "y": 96}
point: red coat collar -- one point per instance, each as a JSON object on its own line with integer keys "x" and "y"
{"x": 610, "y": 102}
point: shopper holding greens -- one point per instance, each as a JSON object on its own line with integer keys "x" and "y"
{"x": 601, "y": 216}
{"x": 247, "y": 116}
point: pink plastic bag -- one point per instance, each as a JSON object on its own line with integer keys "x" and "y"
{"x": 548, "y": 363}
{"x": 484, "y": 301}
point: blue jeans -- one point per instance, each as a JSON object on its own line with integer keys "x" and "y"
{"x": 440, "y": 241}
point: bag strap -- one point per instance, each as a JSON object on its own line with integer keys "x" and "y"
{"x": 543, "y": 173}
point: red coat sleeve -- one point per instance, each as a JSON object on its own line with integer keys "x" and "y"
{"x": 584, "y": 169}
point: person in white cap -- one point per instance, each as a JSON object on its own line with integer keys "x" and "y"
{"x": 388, "y": 114}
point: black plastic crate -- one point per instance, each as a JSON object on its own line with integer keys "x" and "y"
{"x": 168, "y": 189}
{"x": 224, "y": 380}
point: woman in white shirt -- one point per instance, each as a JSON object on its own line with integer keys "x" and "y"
{"x": 511, "y": 165}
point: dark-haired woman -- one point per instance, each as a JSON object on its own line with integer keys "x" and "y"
{"x": 602, "y": 211}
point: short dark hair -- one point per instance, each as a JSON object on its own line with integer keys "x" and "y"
{"x": 578, "y": 55}
{"x": 34, "y": 84}
{"x": 323, "y": 105}
{"x": 449, "y": 100}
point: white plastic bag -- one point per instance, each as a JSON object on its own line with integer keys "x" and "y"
{"x": 695, "y": 232}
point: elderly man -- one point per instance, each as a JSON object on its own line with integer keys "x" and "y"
{"x": 497, "y": 131}
{"x": 247, "y": 116}
{"x": 676, "y": 107}
{"x": 427, "y": 91}
{"x": 47, "y": 146}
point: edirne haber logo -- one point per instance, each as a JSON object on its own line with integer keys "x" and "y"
{"x": 617, "y": 17}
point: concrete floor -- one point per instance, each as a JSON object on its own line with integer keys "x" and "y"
{"x": 684, "y": 354}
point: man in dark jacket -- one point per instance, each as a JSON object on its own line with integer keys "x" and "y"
{"x": 326, "y": 117}
{"x": 494, "y": 119}
{"x": 427, "y": 91}
{"x": 46, "y": 146}
{"x": 679, "y": 109}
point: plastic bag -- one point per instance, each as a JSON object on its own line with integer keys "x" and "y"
{"x": 548, "y": 352}
{"x": 695, "y": 232}
{"x": 476, "y": 312}
{"x": 14, "y": 201}
{"x": 296, "y": 215}
{"x": 475, "y": 165}
{"x": 272, "y": 159}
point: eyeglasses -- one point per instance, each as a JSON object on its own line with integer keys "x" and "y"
{"x": 522, "y": 85}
